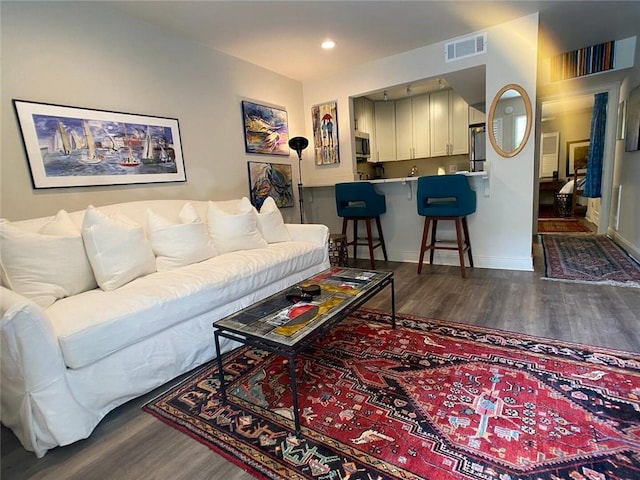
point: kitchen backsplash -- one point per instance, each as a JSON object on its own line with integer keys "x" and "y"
{"x": 426, "y": 166}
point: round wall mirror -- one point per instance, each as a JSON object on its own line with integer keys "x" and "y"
{"x": 510, "y": 120}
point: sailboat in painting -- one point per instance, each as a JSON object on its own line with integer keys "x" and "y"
{"x": 127, "y": 158}
{"x": 61, "y": 140}
{"x": 89, "y": 156}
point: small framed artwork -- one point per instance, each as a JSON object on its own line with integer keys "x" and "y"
{"x": 577, "y": 154}
{"x": 266, "y": 130}
{"x": 325, "y": 133}
{"x": 632, "y": 140}
{"x": 270, "y": 180}
{"x": 76, "y": 147}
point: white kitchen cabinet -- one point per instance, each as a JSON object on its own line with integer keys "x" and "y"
{"x": 449, "y": 122}
{"x": 412, "y": 128}
{"x": 385, "y": 131}
{"x": 476, "y": 115}
{"x": 458, "y": 125}
{"x": 420, "y": 117}
{"x": 404, "y": 130}
{"x": 363, "y": 115}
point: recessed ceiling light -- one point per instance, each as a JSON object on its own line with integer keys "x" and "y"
{"x": 328, "y": 44}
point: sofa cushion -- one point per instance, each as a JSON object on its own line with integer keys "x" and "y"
{"x": 47, "y": 265}
{"x": 60, "y": 225}
{"x": 271, "y": 224}
{"x": 233, "y": 226}
{"x": 95, "y": 324}
{"x": 117, "y": 249}
{"x": 179, "y": 244}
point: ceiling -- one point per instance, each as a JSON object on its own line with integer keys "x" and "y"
{"x": 285, "y": 36}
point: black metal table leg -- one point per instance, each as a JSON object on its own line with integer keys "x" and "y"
{"x": 393, "y": 304}
{"x": 294, "y": 393}
{"x": 223, "y": 391}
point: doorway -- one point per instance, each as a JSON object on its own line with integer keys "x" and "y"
{"x": 566, "y": 120}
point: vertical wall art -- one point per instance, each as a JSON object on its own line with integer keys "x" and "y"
{"x": 325, "y": 133}
{"x": 270, "y": 180}
{"x": 265, "y": 129}
{"x": 72, "y": 147}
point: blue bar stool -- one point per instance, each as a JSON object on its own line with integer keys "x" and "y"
{"x": 359, "y": 201}
{"x": 445, "y": 197}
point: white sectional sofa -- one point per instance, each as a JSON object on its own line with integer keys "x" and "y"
{"x": 72, "y": 351}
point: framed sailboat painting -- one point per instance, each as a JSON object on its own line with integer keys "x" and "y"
{"x": 76, "y": 147}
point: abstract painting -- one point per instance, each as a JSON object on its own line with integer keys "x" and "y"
{"x": 265, "y": 129}
{"x": 72, "y": 147}
{"x": 325, "y": 133}
{"x": 270, "y": 180}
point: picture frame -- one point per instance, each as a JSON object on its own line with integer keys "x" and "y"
{"x": 266, "y": 129}
{"x": 78, "y": 147}
{"x": 273, "y": 180}
{"x": 325, "y": 133}
{"x": 577, "y": 154}
{"x": 632, "y": 140}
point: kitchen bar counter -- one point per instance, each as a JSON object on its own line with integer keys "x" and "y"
{"x": 484, "y": 175}
{"x": 402, "y": 226}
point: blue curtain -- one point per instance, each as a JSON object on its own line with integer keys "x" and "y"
{"x": 593, "y": 178}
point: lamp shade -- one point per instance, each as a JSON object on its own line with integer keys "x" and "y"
{"x": 298, "y": 144}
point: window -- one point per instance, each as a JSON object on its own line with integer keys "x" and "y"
{"x": 521, "y": 128}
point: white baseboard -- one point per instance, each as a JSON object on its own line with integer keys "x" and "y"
{"x": 628, "y": 246}
{"x": 451, "y": 258}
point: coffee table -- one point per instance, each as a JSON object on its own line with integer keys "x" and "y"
{"x": 272, "y": 325}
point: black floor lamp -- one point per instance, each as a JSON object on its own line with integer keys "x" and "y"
{"x": 298, "y": 144}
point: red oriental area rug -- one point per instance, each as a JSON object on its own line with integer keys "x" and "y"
{"x": 562, "y": 225}
{"x": 428, "y": 400}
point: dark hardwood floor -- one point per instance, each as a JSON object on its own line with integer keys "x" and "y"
{"x": 130, "y": 444}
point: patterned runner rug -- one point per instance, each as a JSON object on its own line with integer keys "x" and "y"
{"x": 562, "y": 225}
{"x": 430, "y": 400}
{"x": 590, "y": 259}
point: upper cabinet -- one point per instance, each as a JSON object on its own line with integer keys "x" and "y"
{"x": 449, "y": 115}
{"x": 476, "y": 115}
{"x": 385, "y": 128}
{"x": 412, "y": 128}
{"x": 422, "y": 126}
{"x": 404, "y": 130}
{"x": 363, "y": 115}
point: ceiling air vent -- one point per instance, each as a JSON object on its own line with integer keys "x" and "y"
{"x": 465, "y": 47}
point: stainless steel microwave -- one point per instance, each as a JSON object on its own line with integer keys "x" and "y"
{"x": 363, "y": 150}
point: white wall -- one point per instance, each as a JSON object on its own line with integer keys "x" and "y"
{"x": 83, "y": 54}
{"x": 627, "y": 174}
{"x": 504, "y": 218}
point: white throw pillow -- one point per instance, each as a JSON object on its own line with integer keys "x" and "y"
{"x": 233, "y": 225}
{"x": 117, "y": 249}
{"x": 176, "y": 245}
{"x": 271, "y": 224}
{"x": 45, "y": 266}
